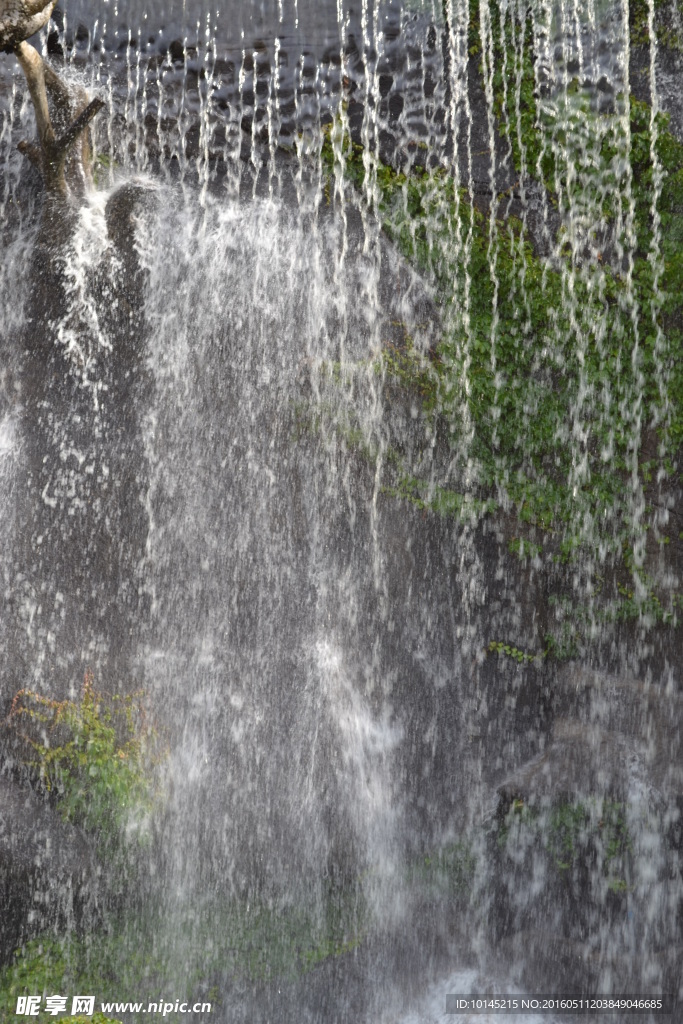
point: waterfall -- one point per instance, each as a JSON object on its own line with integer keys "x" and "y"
{"x": 340, "y": 439}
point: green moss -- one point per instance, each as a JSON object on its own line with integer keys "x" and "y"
{"x": 665, "y": 23}
{"x": 572, "y": 828}
{"x": 43, "y": 968}
{"x": 520, "y": 822}
{"x": 574, "y": 835}
{"x": 441, "y": 500}
{"x": 409, "y": 370}
{"x": 566, "y": 833}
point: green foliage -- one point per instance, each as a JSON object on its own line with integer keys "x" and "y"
{"x": 94, "y": 966}
{"x": 265, "y": 941}
{"x": 142, "y": 954}
{"x": 566, "y": 832}
{"x": 553, "y": 375}
{"x": 44, "y": 967}
{"x": 103, "y": 169}
{"x": 339, "y": 426}
{"x": 565, "y": 642}
{"x": 498, "y": 647}
{"x": 441, "y": 500}
{"x": 39, "y": 971}
{"x": 524, "y": 548}
{"x": 574, "y": 835}
{"x": 97, "y": 1018}
{"x": 572, "y": 827}
{"x": 610, "y": 162}
{"x": 520, "y": 821}
{"x": 409, "y": 369}
{"x": 93, "y": 758}
{"x": 667, "y": 29}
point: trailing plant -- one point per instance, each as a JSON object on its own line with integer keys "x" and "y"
{"x": 499, "y": 647}
{"x": 558, "y": 380}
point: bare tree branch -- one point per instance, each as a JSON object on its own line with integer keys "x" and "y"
{"x": 71, "y": 123}
{"x": 79, "y": 125}
{"x": 33, "y": 68}
{"x": 33, "y": 152}
{"x": 20, "y": 19}
{"x": 58, "y": 91}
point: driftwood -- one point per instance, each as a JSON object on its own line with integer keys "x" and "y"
{"x": 20, "y": 19}
{"x": 62, "y": 117}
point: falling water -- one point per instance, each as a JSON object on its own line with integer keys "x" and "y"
{"x": 374, "y": 495}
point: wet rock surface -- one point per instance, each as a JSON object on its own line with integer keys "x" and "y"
{"x": 49, "y": 875}
{"x": 619, "y": 737}
{"x": 81, "y": 519}
{"x": 601, "y": 808}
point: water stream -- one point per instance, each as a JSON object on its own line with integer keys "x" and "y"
{"x": 371, "y": 484}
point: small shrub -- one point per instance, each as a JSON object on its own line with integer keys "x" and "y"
{"x": 92, "y": 758}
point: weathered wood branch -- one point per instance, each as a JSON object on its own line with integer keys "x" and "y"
{"x": 33, "y": 152}
{"x": 79, "y": 125}
{"x": 34, "y": 69}
{"x": 58, "y": 91}
{"x": 20, "y": 19}
{"x": 33, "y": 7}
{"x": 52, "y": 151}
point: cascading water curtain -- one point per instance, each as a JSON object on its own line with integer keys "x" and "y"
{"x": 408, "y": 320}
{"x": 559, "y": 375}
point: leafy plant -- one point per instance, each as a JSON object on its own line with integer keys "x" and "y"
{"x": 574, "y": 833}
{"x": 149, "y": 951}
{"x": 498, "y": 647}
{"x": 525, "y": 548}
{"x": 567, "y": 830}
{"x": 555, "y": 373}
{"x": 44, "y": 967}
{"x": 92, "y": 758}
